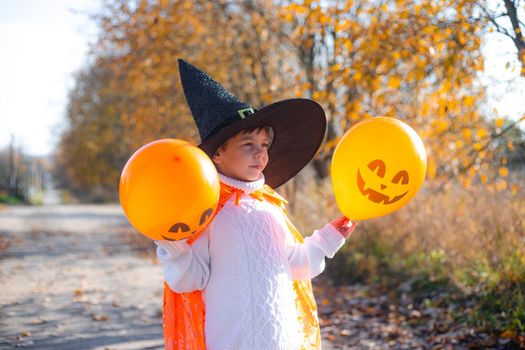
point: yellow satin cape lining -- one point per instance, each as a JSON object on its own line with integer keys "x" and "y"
{"x": 183, "y": 314}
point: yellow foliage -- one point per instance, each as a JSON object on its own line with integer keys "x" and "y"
{"x": 469, "y": 101}
{"x": 394, "y": 82}
{"x": 331, "y": 144}
{"x": 354, "y": 116}
{"x": 481, "y": 133}
{"x": 351, "y": 57}
{"x": 431, "y": 167}
{"x": 348, "y": 44}
{"x": 336, "y": 68}
{"x": 501, "y": 185}
{"x": 477, "y": 146}
{"x": 442, "y": 125}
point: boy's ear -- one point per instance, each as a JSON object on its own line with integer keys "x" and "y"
{"x": 217, "y": 157}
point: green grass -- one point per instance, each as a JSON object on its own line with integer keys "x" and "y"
{"x": 10, "y": 200}
{"x": 500, "y": 310}
{"x": 370, "y": 260}
{"x": 497, "y": 289}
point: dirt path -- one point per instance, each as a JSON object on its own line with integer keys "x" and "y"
{"x": 71, "y": 279}
{"x": 69, "y": 282}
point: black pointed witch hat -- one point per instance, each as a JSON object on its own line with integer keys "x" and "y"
{"x": 298, "y": 124}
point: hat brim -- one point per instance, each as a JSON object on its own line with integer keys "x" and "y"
{"x": 299, "y": 126}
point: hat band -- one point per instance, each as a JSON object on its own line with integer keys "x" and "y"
{"x": 245, "y": 112}
{"x": 242, "y": 113}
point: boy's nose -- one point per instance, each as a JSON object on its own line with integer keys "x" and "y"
{"x": 259, "y": 152}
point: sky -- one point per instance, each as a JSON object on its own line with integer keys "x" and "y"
{"x": 44, "y": 42}
{"x": 505, "y": 88}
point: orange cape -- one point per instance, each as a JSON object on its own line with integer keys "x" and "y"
{"x": 183, "y": 314}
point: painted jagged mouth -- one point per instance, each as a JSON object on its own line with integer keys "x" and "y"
{"x": 374, "y": 196}
{"x": 185, "y": 228}
{"x": 175, "y": 240}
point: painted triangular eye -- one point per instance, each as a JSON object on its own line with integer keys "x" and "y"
{"x": 378, "y": 166}
{"x": 179, "y": 227}
{"x": 401, "y": 176}
{"x": 207, "y": 213}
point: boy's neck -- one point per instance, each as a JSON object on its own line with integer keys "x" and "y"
{"x": 246, "y": 186}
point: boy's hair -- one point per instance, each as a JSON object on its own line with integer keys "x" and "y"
{"x": 266, "y": 128}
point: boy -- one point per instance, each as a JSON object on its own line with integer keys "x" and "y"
{"x": 250, "y": 264}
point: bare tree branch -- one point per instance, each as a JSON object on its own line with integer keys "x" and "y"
{"x": 517, "y": 25}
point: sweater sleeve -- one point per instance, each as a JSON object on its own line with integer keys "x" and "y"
{"x": 307, "y": 259}
{"x": 185, "y": 267}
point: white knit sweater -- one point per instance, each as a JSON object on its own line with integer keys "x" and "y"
{"x": 244, "y": 263}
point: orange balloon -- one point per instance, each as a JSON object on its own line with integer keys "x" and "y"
{"x": 377, "y": 167}
{"x": 169, "y": 189}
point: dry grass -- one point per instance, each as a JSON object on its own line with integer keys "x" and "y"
{"x": 469, "y": 240}
{"x": 465, "y": 226}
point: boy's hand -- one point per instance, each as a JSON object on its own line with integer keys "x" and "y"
{"x": 344, "y": 226}
{"x": 167, "y": 250}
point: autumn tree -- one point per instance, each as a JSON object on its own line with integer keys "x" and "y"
{"x": 417, "y": 61}
{"x": 94, "y": 146}
{"x": 135, "y": 81}
{"x": 414, "y": 61}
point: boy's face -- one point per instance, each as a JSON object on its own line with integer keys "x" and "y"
{"x": 244, "y": 156}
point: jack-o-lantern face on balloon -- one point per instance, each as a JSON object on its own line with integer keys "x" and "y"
{"x": 169, "y": 189}
{"x": 181, "y": 230}
{"x": 377, "y": 167}
{"x": 390, "y": 190}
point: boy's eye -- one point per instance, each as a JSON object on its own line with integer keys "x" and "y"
{"x": 247, "y": 144}
{"x": 266, "y": 145}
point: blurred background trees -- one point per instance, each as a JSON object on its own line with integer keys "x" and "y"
{"x": 417, "y": 61}
{"x": 22, "y": 177}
